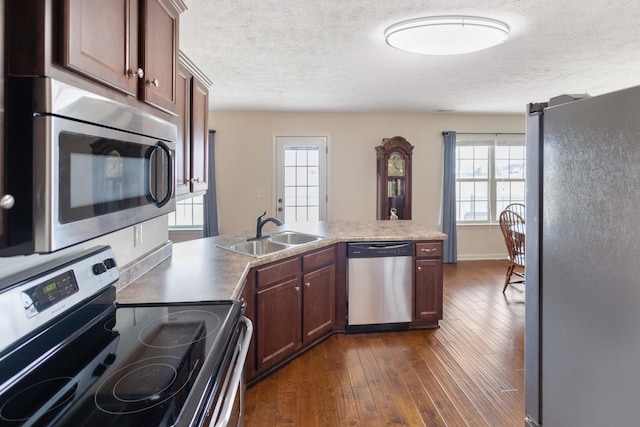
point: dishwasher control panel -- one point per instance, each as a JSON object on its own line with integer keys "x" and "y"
{"x": 379, "y": 249}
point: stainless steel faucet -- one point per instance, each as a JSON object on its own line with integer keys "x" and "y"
{"x": 261, "y": 222}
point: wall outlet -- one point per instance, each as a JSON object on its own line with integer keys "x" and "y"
{"x": 137, "y": 235}
{"x": 259, "y": 194}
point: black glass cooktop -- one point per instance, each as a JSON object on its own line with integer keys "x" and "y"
{"x": 132, "y": 365}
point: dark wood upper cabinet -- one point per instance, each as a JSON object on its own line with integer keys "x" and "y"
{"x": 199, "y": 136}
{"x": 192, "y": 108}
{"x": 123, "y": 49}
{"x": 131, "y": 45}
{"x": 183, "y": 146}
{"x": 160, "y": 53}
{"x": 101, "y": 41}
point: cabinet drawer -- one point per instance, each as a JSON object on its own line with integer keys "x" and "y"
{"x": 277, "y": 272}
{"x": 319, "y": 259}
{"x": 428, "y": 249}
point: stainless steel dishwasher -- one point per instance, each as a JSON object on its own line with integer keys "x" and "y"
{"x": 379, "y": 285}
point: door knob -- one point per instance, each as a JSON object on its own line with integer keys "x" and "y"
{"x": 7, "y": 201}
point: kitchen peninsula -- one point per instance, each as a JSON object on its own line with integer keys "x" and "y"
{"x": 295, "y": 297}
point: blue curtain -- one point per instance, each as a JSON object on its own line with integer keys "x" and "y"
{"x": 450, "y": 246}
{"x": 210, "y": 198}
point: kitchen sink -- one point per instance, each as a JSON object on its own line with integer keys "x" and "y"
{"x": 294, "y": 238}
{"x": 271, "y": 244}
{"x": 255, "y": 247}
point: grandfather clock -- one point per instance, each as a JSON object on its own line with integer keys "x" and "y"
{"x": 394, "y": 178}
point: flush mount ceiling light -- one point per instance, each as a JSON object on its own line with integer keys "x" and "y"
{"x": 446, "y": 35}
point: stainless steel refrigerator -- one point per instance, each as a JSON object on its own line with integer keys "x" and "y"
{"x": 582, "y": 334}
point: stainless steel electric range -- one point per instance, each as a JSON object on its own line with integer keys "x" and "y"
{"x": 71, "y": 356}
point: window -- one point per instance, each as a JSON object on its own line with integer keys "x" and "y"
{"x": 189, "y": 214}
{"x": 490, "y": 174}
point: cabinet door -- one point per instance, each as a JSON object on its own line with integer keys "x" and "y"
{"x": 428, "y": 289}
{"x": 183, "y": 145}
{"x": 160, "y": 52}
{"x": 4, "y": 198}
{"x": 278, "y": 322}
{"x": 246, "y": 298}
{"x": 199, "y": 135}
{"x": 101, "y": 41}
{"x": 318, "y": 303}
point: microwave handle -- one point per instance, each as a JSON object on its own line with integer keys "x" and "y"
{"x": 170, "y": 187}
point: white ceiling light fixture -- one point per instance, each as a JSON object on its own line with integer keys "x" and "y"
{"x": 446, "y": 35}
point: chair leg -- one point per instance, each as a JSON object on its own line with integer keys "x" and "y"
{"x": 508, "y": 278}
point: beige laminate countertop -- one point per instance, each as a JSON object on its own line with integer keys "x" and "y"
{"x": 200, "y": 271}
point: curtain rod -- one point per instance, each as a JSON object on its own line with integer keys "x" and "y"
{"x": 445, "y": 132}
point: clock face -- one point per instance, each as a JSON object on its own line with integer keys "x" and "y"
{"x": 395, "y": 164}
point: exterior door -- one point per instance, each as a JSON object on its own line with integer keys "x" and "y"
{"x": 301, "y": 178}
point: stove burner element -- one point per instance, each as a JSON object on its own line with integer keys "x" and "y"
{"x": 150, "y": 380}
{"x": 117, "y": 324}
{"x": 142, "y": 385}
{"x": 181, "y": 324}
{"x": 45, "y": 397}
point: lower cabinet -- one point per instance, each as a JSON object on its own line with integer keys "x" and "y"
{"x": 294, "y": 303}
{"x": 318, "y": 303}
{"x": 278, "y": 322}
{"x": 427, "y": 307}
{"x": 298, "y": 301}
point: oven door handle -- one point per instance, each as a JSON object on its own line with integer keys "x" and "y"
{"x": 236, "y": 379}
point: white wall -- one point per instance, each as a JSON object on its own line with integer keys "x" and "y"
{"x": 244, "y": 163}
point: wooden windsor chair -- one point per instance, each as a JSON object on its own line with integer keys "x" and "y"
{"x": 513, "y": 230}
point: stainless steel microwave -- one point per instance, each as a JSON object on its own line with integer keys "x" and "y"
{"x": 79, "y": 166}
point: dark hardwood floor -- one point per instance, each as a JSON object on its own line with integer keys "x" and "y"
{"x": 468, "y": 372}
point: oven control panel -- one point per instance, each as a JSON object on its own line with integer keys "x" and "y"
{"x": 30, "y": 299}
{"x": 46, "y": 294}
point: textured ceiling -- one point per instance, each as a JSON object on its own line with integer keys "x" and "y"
{"x": 330, "y": 55}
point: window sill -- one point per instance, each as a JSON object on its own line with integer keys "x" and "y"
{"x": 478, "y": 225}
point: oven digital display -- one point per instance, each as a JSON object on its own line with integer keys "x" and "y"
{"x": 52, "y": 291}
{"x": 50, "y": 288}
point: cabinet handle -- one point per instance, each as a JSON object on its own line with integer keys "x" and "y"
{"x": 195, "y": 179}
{"x": 153, "y": 82}
{"x": 243, "y": 302}
{"x": 428, "y": 250}
{"x": 139, "y": 73}
{"x": 419, "y": 268}
{"x": 7, "y": 201}
{"x": 297, "y": 288}
{"x": 307, "y": 284}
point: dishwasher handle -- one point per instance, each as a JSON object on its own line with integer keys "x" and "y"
{"x": 379, "y": 249}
